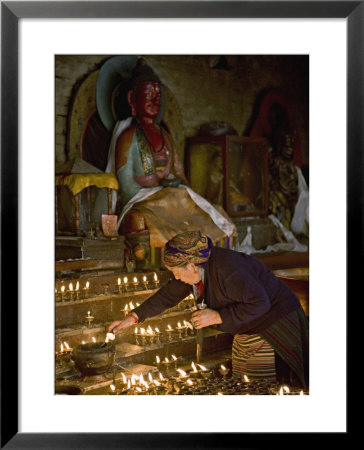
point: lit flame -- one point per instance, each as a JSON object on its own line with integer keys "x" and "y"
{"x": 126, "y": 308}
{"x": 156, "y": 382}
{"x": 150, "y": 377}
{"x": 77, "y": 286}
{"x": 144, "y": 279}
{"x": 182, "y": 372}
{"x": 62, "y": 348}
{"x": 169, "y": 327}
{"x": 246, "y": 378}
{"x": 202, "y": 367}
{"x": 301, "y": 393}
{"x": 136, "y": 330}
{"x": 88, "y": 313}
{"x": 142, "y": 331}
{"x": 138, "y": 389}
{"x": 129, "y": 384}
{"x": 125, "y": 280}
{"x": 157, "y": 330}
{"x": 93, "y": 339}
{"x": 119, "y": 281}
{"x": 87, "y": 284}
{"x": 112, "y": 387}
{"x": 179, "y": 325}
{"x": 220, "y": 393}
{"x": 157, "y": 359}
{"x": 135, "y": 280}
{"x": 133, "y": 379}
{"x": 67, "y": 346}
{"x": 131, "y": 305}
{"x": 286, "y": 388}
{"x": 83, "y": 342}
{"x": 190, "y": 382}
{"x": 174, "y": 357}
{"x": 193, "y": 367}
{"x": 155, "y": 277}
{"x": 161, "y": 377}
{"x": 185, "y": 323}
{"x": 138, "y": 304}
{"x": 281, "y": 391}
{"x": 223, "y": 367}
{"x": 124, "y": 377}
{"x": 62, "y": 289}
{"x": 70, "y": 286}
{"x": 149, "y": 330}
{"x": 107, "y": 339}
{"x": 141, "y": 379}
{"x": 166, "y": 359}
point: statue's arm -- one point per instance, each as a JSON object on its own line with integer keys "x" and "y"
{"x": 177, "y": 166}
{"x": 125, "y": 153}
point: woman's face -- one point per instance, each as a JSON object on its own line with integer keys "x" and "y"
{"x": 189, "y": 274}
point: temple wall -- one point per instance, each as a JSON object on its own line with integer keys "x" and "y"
{"x": 204, "y": 94}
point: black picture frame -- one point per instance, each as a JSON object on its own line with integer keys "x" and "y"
{"x": 11, "y": 12}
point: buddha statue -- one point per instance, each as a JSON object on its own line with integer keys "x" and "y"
{"x": 154, "y": 201}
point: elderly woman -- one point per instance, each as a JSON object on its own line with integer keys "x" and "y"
{"x": 244, "y": 298}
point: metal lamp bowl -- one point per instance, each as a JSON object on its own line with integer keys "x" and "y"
{"x": 94, "y": 358}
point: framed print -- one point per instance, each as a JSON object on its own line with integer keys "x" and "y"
{"x": 27, "y": 128}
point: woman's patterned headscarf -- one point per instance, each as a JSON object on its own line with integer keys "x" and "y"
{"x": 190, "y": 247}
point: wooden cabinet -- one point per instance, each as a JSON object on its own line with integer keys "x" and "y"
{"x": 230, "y": 171}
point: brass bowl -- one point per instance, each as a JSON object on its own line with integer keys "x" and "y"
{"x": 94, "y": 358}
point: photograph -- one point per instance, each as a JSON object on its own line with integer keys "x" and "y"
{"x": 182, "y": 224}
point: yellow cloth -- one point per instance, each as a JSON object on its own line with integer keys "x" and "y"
{"x": 79, "y": 181}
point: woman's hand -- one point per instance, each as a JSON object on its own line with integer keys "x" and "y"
{"x": 205, "y": 317}
{"x": 118, "y": 325}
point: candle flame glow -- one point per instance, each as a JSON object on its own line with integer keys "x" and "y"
{"x": 174, "y": 357}
{"x": 281, "y": 391}
{"x": 83, "y": 342}
{"x": 131, "y": 305}
{"x": 93, "y": 339}
{"x": 62, "y": 348}
{"x": 135, "y": 279}
{"x": 62, "y": 289}
{"x": 142, "y": 331}
{"x": 112, "y": 387}
{"x": 124, "y": 377}
{"x": 155, "y": 277}
{"x": 166, "y": 359}
{"x": 179, "y": 325}
{"x": 182, "y": 372}
{"x": 286, "y": 388}
{"x": 157, "y": 330}
{"x": 77, "y": 286}
{"x": 156, "y": 382}
{"x": 66, "y": 345}
{"x": 190, "y": 382}
{"x": 150, "y": 378}
{"x": 119, "y": 281}
{"x": 220, "y": 393}
{"x": 138, "y": 389}
{"x": 169, "y": 327}
{"x": 157, "y": 359}
{"x": 301, "y": 393}
{"x": 87, "y": 284}
{"x": 202, "y": 367}
{"x": 223, "y": 367}
{"x": 194, "y": 367}
{"x": 161, "y": 377}
{"x": 126, "y": 308}
{"x": 70, "y": 286}
{"x": 144, "y": 278}
{"x": 246, "y": 378}
{"x": 129, "y": 384}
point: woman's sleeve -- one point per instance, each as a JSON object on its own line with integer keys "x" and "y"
{"x": 249, "y": 301}
{"x": 167, "y": 297}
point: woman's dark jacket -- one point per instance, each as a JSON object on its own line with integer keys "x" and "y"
{"x": 248, "y": 296}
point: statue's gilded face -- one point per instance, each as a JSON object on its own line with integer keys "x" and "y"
{"x": 147, "y": 99}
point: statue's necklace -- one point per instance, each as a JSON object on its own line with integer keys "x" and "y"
{"x": 149, "y": 141}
